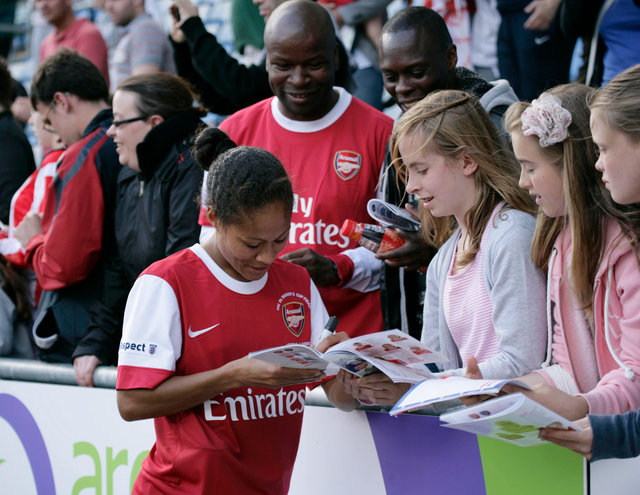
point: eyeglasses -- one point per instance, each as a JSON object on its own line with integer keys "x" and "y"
{"x": 118, "y": 123}
{"x": 46, "y": 123}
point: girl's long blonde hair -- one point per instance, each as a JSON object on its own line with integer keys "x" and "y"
{"x": 454, "y": 123}
{"x": 587, "y": 202}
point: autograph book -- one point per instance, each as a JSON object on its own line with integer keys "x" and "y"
{"x": 514, "y": 418}
{"x": 447, "y": 388}
{"x": 396, "y": 354}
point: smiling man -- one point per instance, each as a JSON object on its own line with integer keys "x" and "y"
{"x": 332, "y": 146}
{"x": 65, "y": 245}
{"x": 224, "y": 84}
{"x": 417, "y": 56}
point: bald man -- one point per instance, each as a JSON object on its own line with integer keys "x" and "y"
{"x": 332, "y": 146}
{"x": 224, "y": 84}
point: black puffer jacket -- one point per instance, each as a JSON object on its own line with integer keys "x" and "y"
{"x": 156, "y": 215}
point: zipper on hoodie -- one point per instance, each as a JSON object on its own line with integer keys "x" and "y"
{"x": 141, "y": 190}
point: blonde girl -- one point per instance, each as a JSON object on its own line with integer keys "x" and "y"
{"x": 485, "y": 298}
{"x": 593, "y": 356}
{"x": 615, "y": 127}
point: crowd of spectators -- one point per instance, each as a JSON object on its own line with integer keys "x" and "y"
{"x": 117, "y": 187}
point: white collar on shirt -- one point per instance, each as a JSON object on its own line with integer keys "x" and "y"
{"x": 308, "y": 126}
{"x": 246, "y": 288}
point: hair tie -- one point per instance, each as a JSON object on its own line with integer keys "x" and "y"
{"x": 547, "y": 119}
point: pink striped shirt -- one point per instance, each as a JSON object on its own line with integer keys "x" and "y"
{"x": 468, "y": 310}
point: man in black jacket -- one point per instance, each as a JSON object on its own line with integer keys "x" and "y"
{"x": 417, "y": 57}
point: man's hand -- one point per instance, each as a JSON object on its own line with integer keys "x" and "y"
{"x": 542, "y": 14}
{"x": 413, "y": 254}
{"x": 320, "y": 268}
{"x": 372, "y": 389}
{"x": 30, "y": 226}
{"x": 84, "y": 366}
{"x": 185, "y": 10}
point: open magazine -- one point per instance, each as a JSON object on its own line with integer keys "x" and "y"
{"x": 446, "y": 388}
{"x": 514, "y": 418}
{"x": 396, "y": 354}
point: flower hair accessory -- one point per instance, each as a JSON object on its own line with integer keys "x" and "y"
{"x": 547, "y": 119}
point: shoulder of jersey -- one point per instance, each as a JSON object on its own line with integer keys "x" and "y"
{"x": 181, "y": 261}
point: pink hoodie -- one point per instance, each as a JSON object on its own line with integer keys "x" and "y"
{"x": 616, "y": 337}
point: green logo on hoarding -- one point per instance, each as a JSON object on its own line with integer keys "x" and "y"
{"x": 111, "y": 463}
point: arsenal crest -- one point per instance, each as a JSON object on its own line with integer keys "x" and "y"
{"x": 293, "y": 315}
{"x": 347, "y": 164}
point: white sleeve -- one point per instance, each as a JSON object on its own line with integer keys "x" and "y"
{"x": 152, "y": 329}
{"x": 319, "y": 315}
{"x": 366, "y": 270}
{"x": 366, "y": 267}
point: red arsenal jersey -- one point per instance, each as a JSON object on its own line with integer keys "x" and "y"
{"x": 334, "y": 164}
{"x": 185, "y": 315}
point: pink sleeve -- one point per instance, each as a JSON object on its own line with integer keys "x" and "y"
{"x": 616, "y": 393}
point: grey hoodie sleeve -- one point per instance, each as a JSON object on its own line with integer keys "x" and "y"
{"x": 518, "y": 295}
{"x": 435, "y": 332}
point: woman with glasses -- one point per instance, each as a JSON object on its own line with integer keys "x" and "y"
{"x": 156, "y": 213}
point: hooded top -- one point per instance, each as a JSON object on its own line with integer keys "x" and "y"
{"x": 616, "y": 336}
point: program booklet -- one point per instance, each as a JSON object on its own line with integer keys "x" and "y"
{"x": 396, "y": 354}
{"x": 446, "y": 388}
{"x": 514, "y": 418}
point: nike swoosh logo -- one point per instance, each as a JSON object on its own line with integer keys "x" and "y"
{"x": 193, "y": 334}
{"x": 542, "y": 39}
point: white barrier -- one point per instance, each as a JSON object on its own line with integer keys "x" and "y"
{"x": 61, "y": 439}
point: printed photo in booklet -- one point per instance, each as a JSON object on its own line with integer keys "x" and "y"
{"x": 446, "y": 388}
{"x": 396, "y": 354}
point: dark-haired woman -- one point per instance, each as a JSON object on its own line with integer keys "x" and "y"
{"x": 225, "y": 423}
{"x": 156, "y": 214}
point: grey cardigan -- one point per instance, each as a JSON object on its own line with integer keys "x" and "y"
{"x": 517, "y": 291}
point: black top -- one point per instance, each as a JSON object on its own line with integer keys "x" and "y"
{"x": 156, "y": 214}
{"x": 16, "y": 161}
